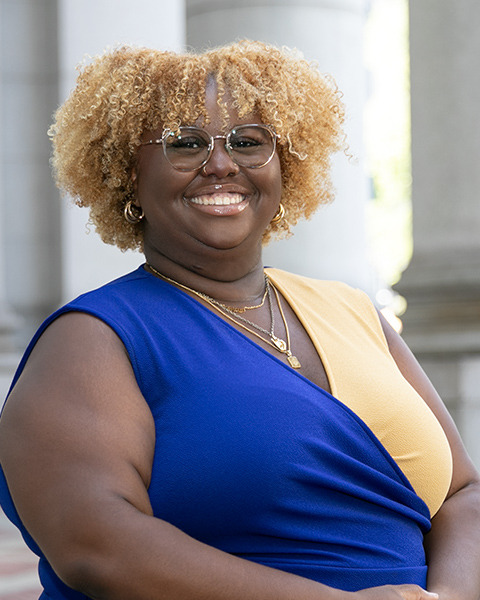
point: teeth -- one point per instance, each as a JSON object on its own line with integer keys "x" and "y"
{"x": 218, "y": 199}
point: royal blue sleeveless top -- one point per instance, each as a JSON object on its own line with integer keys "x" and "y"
{"x": 251, "y": 457}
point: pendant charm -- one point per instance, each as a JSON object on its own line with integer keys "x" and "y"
{"x": 293, "y": 361}
{"x": 279, "y": 343}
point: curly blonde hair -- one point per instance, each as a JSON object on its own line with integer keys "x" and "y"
{"x": 125, "y": 92}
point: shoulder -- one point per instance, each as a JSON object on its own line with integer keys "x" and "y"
{"x": 114, "y": 303}
{"x": 336, "y": 297}
{"x": 328, "y": 288}
{"x": 92, "y": 318}
{"x": 332, "y": 305}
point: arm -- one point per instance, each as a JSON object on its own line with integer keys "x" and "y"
{"x": 76, "y": 445}
{"x": 453, "y": 544}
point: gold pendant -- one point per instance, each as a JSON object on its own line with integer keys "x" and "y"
{"x": 293, "y": 361}
{"x": 279, "y": 343}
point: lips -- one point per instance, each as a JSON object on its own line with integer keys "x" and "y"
{"x": 219, "y": 199}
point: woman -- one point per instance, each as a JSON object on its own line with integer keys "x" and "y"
{"x": 177, "y": 433}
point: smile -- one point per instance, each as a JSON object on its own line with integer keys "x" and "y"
{"x": 218, "y": 199}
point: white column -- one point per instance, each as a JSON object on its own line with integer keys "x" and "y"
{"x": 87, "y": 28}
{"x": 442, "y": 284}
{"x": 30, "y": 205}
{"x": 49, "y": 257}
{"x": 333, "y": 244}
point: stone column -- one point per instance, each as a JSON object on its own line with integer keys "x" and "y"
{"x": 30, "y": 207}
{"x": 442, "y": 283}
{"x": 333, "y": 244}
{"x": 87, "y": 28}
{"x": 9, "y": 323}
{"x": 50, "y": 259}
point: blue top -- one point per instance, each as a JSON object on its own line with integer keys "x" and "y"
{"x": 251, "y": 457}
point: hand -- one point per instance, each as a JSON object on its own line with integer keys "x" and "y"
{"x": 395, "y": 592}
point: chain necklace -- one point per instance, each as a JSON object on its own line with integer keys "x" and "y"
{"x": 234, "y": 309}
{"x": 233, "y": 315}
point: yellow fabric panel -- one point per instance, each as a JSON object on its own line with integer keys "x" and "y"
{"x": 346, "y": 331}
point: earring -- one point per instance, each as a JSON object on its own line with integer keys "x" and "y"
{"x": 132, "y": 214}
{"x": 278, "y": 215}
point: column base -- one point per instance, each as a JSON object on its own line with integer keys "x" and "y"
{"x": 443, "y": 303}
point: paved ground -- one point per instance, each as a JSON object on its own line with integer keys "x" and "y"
{"x": 18, "y": 566}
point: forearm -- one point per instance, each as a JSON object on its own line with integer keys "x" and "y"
{"x": 156, "y": 561}
{"x": 453, "y": 547}
{"x": 151, "y": 559}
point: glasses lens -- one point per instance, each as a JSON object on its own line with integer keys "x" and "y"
{"x": 251, "y": 145}
{"x": 187, "y": 148}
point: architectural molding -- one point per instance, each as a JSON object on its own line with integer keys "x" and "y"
{"x": 196, "y": 7}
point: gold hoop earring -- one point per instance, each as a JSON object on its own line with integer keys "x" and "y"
{"x": 133, "y": 214}
{"x": 278, "y": 215}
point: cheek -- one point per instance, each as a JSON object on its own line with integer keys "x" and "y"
{"x": 157, "y": 185}
{"x": 273, "y": 178}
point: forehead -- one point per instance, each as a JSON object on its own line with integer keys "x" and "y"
{"x": 221, "y": 111}
{"x": 211, "y": 109}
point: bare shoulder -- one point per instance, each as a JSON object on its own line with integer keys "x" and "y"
{"x": 72, "y": 337}
{"x": 76, "y": 430}
{"x": 78, "y": 363}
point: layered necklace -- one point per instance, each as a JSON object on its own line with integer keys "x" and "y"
{"x": 235, "y": 315}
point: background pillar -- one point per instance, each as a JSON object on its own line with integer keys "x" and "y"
{"x": 442, "y": 283}
{"x": 333, "y": 244}
{"x": 46, "y": 256}
{"x": 9, "y": 323}
{"x": 87, "y": 28}
{"x": 30, "y": 208}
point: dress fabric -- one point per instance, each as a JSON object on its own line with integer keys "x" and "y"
{"x": 251, "y": 457}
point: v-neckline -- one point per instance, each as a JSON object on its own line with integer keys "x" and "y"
{"x": 298, "y": 313}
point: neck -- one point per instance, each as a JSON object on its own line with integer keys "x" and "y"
{"x": 232, "y": 286}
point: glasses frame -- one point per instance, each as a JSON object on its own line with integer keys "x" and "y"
{"x": 170, "y": 132}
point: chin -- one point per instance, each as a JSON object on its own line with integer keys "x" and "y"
{"x": 223, "y": 241}
{"x": 221, "y": 245}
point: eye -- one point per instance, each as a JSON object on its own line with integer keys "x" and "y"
{"x": 242, "y": 141}
{"x": 188, "y": 143}
{"x": 250, "y": 142}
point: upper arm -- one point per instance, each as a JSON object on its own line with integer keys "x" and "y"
{"x": 464, "y": 471}
{"x": 76, "y": 436}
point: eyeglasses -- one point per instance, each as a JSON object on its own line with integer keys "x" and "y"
{"x": 190, "y": 148}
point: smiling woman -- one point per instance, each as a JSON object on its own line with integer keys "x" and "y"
{"x": 205, "y": 427}
{"x": 202, "y": 197}
{"x": 121, "y": 95}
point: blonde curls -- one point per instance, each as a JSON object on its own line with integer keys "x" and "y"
{"x": 125, "y": 92}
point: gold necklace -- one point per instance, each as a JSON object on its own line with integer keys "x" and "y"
{"x": 276, "y": 342}
{"x": 232, "y": 314}
{"x": 232, "y": 309}
{"x": 242, "y": 309}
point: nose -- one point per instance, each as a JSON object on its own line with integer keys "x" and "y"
{"x": 220, "y": 163}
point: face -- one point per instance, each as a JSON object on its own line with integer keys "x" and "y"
{"x": 194, "y": 216}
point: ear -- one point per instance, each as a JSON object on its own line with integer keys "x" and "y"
{"x": 133, "y": 179}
